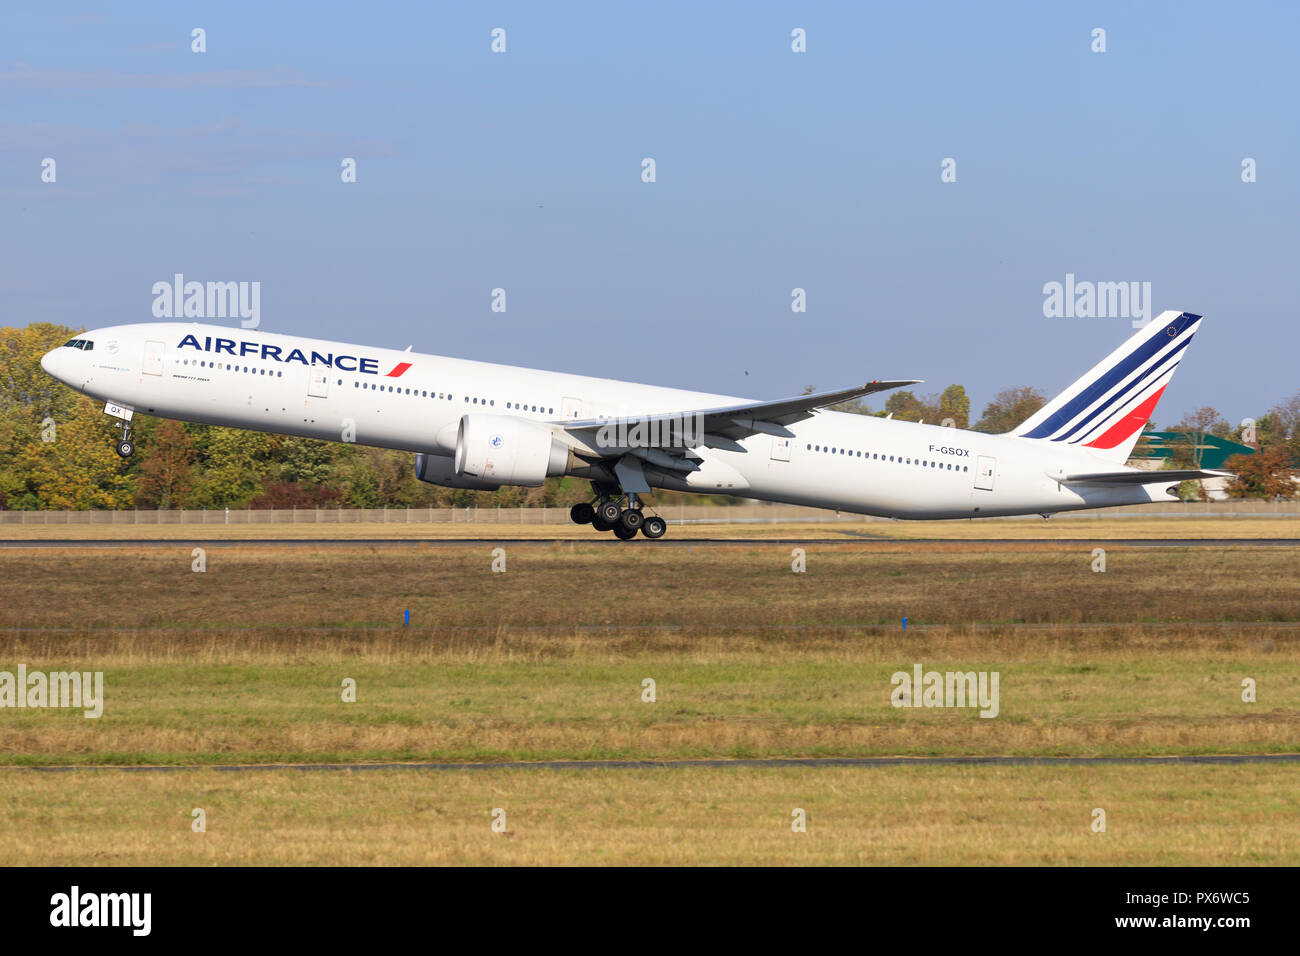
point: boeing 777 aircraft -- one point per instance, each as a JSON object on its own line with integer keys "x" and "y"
{"x": 476, "y": 425}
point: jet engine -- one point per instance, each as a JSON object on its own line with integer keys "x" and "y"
{"x": 440, "y": 470}
{"x": 503, "y": 450}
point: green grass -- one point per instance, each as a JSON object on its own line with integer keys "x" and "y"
{"x": 505, "y": 704}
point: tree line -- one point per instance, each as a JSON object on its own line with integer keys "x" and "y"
{"x": 56, "y": 451}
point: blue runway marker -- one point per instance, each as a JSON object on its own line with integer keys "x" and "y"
{"x": 407, "y": 622}
{"x": 905, "y": 624}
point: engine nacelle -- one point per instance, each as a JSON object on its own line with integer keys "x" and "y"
{"x": 440, "y": 470}
{"x": 508, "y": 451}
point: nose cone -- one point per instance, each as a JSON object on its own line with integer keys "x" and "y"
{"x": 55, "y": 362}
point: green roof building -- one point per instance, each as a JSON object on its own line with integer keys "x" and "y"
{"x": 1213, "y": 451}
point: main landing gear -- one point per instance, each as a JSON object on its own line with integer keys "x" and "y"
{"x": 608, "y": 514}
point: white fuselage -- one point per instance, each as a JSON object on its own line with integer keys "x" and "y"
{"x": 339, "y": 392}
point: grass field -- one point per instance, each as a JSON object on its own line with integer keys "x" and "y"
{"x": 244, "y": 663}
{"x": 847, "y": 526}
{"x": 925, "y": 815}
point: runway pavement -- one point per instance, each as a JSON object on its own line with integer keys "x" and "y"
{"x": 105, "y": 543}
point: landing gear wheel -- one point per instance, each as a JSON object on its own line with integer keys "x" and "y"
{"x": 654, "y": 527}
{"x": 631, "y": 518}
{"x": 126, "y": 448}
{"x": 582, "y": 513}
{"x": 608, "y": 511}
{"x": 600, "y": 524}
{"x": 623, "y": 532}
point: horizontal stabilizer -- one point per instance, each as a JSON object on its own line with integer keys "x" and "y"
{"x": 1141, "y": 477}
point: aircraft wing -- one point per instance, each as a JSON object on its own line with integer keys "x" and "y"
{"x": 721, "y": 427}
{"x": 1141, "y": 477}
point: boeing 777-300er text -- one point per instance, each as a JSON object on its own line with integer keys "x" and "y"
{"x": 476, "y": 425}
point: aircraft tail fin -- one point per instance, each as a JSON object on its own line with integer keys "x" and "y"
{"x": 1106, "y": 409}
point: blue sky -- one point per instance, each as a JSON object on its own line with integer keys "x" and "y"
{"x": 775, "y": 170}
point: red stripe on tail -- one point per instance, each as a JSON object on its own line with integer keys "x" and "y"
{"x": 1126, "y": 426}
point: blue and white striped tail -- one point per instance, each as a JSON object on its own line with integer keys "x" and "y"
{"x": 1107, "y": 408}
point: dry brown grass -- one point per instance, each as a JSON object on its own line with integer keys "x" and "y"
{"x": 704, "y": 590}
{"x": 1156, "y": 815}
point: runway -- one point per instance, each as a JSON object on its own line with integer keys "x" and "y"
{"x": 760, "y": 763}
{"x": 20, "y": 544}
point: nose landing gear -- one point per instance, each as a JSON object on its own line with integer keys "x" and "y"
{"x": 125, "y": 447}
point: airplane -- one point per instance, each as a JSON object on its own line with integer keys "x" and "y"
{"x": 478, "y": 425}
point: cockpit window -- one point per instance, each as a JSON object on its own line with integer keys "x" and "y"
{"x": 75, "y": 344}
{"x": 84, "y": 344}
{"x": 87, "y": 345}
